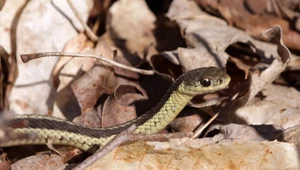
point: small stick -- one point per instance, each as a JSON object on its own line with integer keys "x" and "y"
{"x": 126, "y": 136}
{"x": 200, "y": 130}
{"x": 87, "y": 29}
{"x": 111, "y": 145}
{"x": 27, "y": 57}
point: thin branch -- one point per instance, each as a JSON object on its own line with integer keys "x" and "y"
{"x": 200, "y": 130}
{"x": 87, "y": 29}
{"x": 27, "y": 57}
{"x": 127, "y": 136}
{"x": 13, "y": 69}
{"x": 111, "y": 145}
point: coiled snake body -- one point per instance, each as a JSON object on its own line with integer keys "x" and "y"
{"x": 62, "y": 132}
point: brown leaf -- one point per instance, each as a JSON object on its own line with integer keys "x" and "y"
{"x": 256, "y": 6}
{"x": 188, "y": 120}
{"x": 65, "y": 72}
{"x": 292, "y": 135}
{"x": 133, "y": 32}
{"x": 238, "y": 155}
{"x": 35, "y": 33}
{"x": 119, "y": 108}
{"x": 41, "y": 161}
{"x": 284, "y": 9}
{"x": 167, "y": 64}
{"x": 101, "y": 79}
{"x": 96, "y": 82}
{"x": 167, "y": 32}
{"x": 240, "y": 13}
{"x": 66, "y": 103}
{"x": 274, "y": 93}
{"x": 207, "y": 48}
{"x": 269, "y": 108}
{"x": 239, "y": 89}
{"x": 268, "y": 75}
{"x": 249, "y": 133}
{"x": 90, "y": 118}
{"x": 75, "y": 45}
{"x": 274, "y": 35}
{"x": 4, "y": 163}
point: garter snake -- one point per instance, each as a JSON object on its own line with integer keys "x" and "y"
{"x": 62, "y": 132}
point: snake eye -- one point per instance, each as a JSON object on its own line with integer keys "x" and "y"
{"x": 205, "y": 82}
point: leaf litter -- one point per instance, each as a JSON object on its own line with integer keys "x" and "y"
{"x": 251, "y": 112}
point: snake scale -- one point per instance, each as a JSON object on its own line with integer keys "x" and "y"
{"x": 45, "y": 129}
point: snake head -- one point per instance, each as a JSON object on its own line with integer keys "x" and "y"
{"x": 203, "y": 80}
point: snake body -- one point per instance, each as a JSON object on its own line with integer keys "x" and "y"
{"x": 45, "y": 129}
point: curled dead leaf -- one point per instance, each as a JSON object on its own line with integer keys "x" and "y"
{"x": 119, "y": 107}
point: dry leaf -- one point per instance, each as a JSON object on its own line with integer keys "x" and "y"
{"x": 41, "y": 161}
{"x": 41, "y": 27}
{"x": 119, "y": 107}
{"x": 166, "y": 64}
{"x": 239, "y": 155}
{"x": 271, "y": 109}
{"x": 241, "y": 14}
{"x": 207, "y": 48}
{"x": 4, "y": 163}
{"x": 100, "y": 79}
{"x": 273, "y": 93}
{"x": 65, "y": 72}
{"x": 249, "y": 133}
{"x": 96, "y": 82}
{"x": 188, "y": 120}
{"x": 90, "y": 119}
{"x": 132, "y": 33}
{"x": 292, "y": 135}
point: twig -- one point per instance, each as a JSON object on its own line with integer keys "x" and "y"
{"x": 87, "y": 29}
{"x": 200, "y": 130}
{"x": 126, "y": 136}
{"x": 27, "y": 57}
{"x": 13, "y": 68}
{"x": 112, "y": 144}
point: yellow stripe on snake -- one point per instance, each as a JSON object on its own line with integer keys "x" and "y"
{"x": 61, "y": 132}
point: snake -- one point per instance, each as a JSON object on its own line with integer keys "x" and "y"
{"x": 34, "y": 129}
